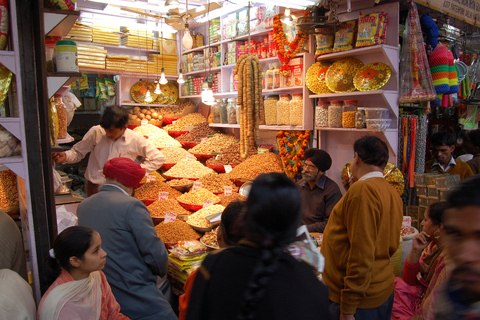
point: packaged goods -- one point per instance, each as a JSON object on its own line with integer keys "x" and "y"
{"x": 324, "y": 40}
{"x": 344, "y": 37}
{"x": 371, "y": 29}
{"x": 66, "y": 56}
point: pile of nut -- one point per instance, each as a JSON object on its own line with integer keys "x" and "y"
{"x": 188, "y": 169}
{"x": 158, "y": 177}
{"x": 179, "y": 182}
{"x": 164, "y": 141}
{"x": 8, "y": 190}
{"x": 217, "y": 183}
{"x": 191, "y": 119}
{"x": 183, "y": 106}
{"x": 256, "y": 165}
{"x": 136, "y": 115}
{"x": 210, "y": 238}
{"x": 198, "y": 219}
{"x": 150, "y": 190}
{"x": 214, "y": 144}
{"x": 150, "y": 131}
{"x": 159, "y": 209}
{"x": 229, "y": 156}
{"x": 198, "y": 197}
{"x": 174, "y": 155}
{"x": 196, "y": 134}
{"x": 225, "y": 200}
{"x": 173, "y": 232}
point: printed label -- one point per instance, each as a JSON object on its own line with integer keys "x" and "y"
{"x": 227, "y": 191}
{"x": 227, "y": 168}
{"x": 143, "y": 122}
{"x": 162, "y": 195}
{"x": 170, "y": 217}
{"x": 203, "y": 140}
{"x": 207, "y": 203}
{"x": 407, "y": 221}
{"x": 151, "y": 178}
{"x": 196, "y": 185}
{"x": 190, "y": 157}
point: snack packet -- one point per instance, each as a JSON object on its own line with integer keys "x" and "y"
{"x": 110, "y": 84}
{"x": 368, "y": 29}
{"x": 101, "y": 92}
{"x": 324, "y": 41}
{"x": 344, "y": 36}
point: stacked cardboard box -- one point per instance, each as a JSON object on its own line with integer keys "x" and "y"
{"x": 157, "y": 61}
{"x": 166, "y": 44}
{"x": 116, "y": 62}
{"x": 90, "y": 56}
{"x": 214, "y": 31}
{"x": 81, "y": 31}
{"x": 136, "y": 38}
{"x": 105, "y": 34}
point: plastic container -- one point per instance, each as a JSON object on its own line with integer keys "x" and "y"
{"x": 335, "y": 114}
{"x": 216, "y": 112}
{"x": 62, "y": 116}
{"x": 283, "y": 110}
{"x": 321, "y": 114}
{"x": 50, "y": 52}
{"x": 296, "y": 109}
{"x": 270, "y": 106}
{"x": 377, "y": 113}
{"x": 66, "y": 56}
{"x": 378, "y": 124}
{"x": 224, "y": 114}
{"x": 348, "y": 113}
{"x": 360, "y": 119}
{"x": 231, "y": 111}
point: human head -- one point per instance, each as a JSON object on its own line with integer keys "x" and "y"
{"x": 432, "y": 223}
{"x": 473, "y": 142}
{"x": 316, "y": 163}
{"x": 443, "y": 144}
{"x": 125, "y": 171}
{"x": 273, "y": 210}
{"x": 231, "y": 226}
{"x": 462, "y": 227}
{"x": 114, "y": 120}
{"x": 371, "y": 151}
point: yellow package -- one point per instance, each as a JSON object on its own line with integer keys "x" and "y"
{"x": 344, "y": 37}
{"x": 368, "y": 29}
{"x": 83, "y": 82}
{"x": 324, "y": 41}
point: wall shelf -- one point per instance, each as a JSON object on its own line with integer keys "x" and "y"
{"x": 7, "y": 58}
{"x": 59, "y": 22}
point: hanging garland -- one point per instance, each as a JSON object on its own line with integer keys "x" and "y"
{"x": 281, "y": 41}
{"x": 292, "y": 146}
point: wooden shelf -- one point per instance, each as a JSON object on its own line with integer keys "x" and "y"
{"x": 59, "y": 22}
{"x": 7, "y": 58}
{"x": 127, "y": 73}
{"x": 209, "y": 70}
{"x": 56, "y": 80}
{"x": 129, "y": 104}
{"x": 355, "y": 129}
{"x": 261, "y": 127}
{"x": 12, "y": 125}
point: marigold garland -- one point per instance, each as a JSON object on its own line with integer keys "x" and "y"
{"x": 292, "y": 146}
{"x": 281, "y": 41}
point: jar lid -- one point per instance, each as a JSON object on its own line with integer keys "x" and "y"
{"x": 58, "y": 95}
{"x": 326, "y": 103}
{"x": 350, "y": 101}
{"x": 361, "y": 108}
{"x": 297, "y": 94}
{"x": 336, "y": 101}
{"x": 65, "y": 43}
{"x": 284, "y": 95}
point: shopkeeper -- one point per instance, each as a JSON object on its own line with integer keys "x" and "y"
{"x": 319, "y": 193}
{"x": 110, "y": 139}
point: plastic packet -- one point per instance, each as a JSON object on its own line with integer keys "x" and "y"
{"x": 83, "y": 82}
{"x": 369, "y": 29}
{"x": 110, "y": 84}
{"x": 53, "y": 115}
{"x": 101, "y": 92}
{"x": 344, "y": 37}
{"x": 4, "y": 23}
{"x": 324, "y": 41}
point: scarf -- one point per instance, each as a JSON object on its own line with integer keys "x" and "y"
{"x": 430, "y": 261}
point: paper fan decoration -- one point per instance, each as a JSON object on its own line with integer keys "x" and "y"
{"x": 315, "y": 77}
{"x": 139, "y": 90}
{"x": 340, "y": 74}
{"x": 372, "y": 76}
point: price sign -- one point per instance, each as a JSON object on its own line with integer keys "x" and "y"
{"x": 169, "y": 144}
{"x": 170, "y": 217}
{"x": 189, "y": 128}
{"x": 217, "y": 156}
{"x": 203, "y": 140}
{"x": 196, "y": 185}
{"x": 227, "y": 191}
{"x": 207, "y": 203}
{"x": 174, "y": 121}
{"x": 162, "y": 195}
{"x": 227, "y": 168}
{"x": 190, "y": 157}
{"x": 143, "y": 122}
{"x": 407, "y": 221}
{"x": 151, "y": 178}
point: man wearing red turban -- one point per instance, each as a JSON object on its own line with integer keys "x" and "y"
{"x": 136, "y": 255}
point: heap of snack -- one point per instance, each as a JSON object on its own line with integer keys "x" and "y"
{"x": 159, "y": 138}
{"x": 216, "y": 183}
{"x": 174, "y": 155}
{"x": 214, "y": 144}
{"x": 198, "y": 197}
{"x": 198, "y": 219}
{"x": 188, "y": 169}
{"x": 189, "y": 120}
{"x": 256, "y": 165}
{"x": 202, "y": 130}
{"x": 150, "y": 190}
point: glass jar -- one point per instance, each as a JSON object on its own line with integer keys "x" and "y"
{"x": 360, "y": 122}
{"x": 283, "y": 112}
{"x": 231, "y": 111}
{"x": 321, "y": 114}
{"x": 335, "y": 114}
{"x": 296, "y": 109}
{"x": 224, "y": 113}
{"x": 270, "y": 106}
{"x": 62, "y": 116}
{"x": 348, "y": 113}
{"x": 216, "y": 112}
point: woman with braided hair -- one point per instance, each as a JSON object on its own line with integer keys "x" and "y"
{"x": 257, "y": 279}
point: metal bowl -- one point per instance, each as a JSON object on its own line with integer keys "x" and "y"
{"x": 245, "y": 189}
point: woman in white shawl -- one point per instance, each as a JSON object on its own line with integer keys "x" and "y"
{"x": 78, "y": 289}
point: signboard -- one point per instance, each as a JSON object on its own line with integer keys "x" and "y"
{"x": 465, "y": 10}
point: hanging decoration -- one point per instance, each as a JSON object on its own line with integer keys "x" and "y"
{"x": 292, "y": 146}
{"x": 287, "y": 50}
{"x": 391, "y": 173}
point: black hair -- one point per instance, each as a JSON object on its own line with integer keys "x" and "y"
{"x": 272, "y": 217}
{"x": 474, "y": 137}
{"x": 466, "y": 193}
{"x": 232, "y": 222}
{"x": 372, "y": 150}
{"x": 114, "y": 117}
{"x": 443, "y": 138}
{"x": 436, "y": 210}
{"x": 71, "y": 242}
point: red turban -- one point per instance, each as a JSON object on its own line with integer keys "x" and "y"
{"x": 125, "y": 171}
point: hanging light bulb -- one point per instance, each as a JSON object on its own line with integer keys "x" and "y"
{"x": 207, "y": 94}
{"x": 163, "y": 79}
{"x": 187, "y": 39}
{"x": 287, "y": 18}
{"x": 148, "y": 95}
{"x": 180, "y": 77}
{"x": 158, "y": 90}
{"x": 287, "y": 12}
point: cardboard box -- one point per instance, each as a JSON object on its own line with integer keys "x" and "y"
{"x": 447, "y": 181}
{"x": 421, "y": 191}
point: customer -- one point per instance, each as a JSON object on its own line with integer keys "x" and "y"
{"x": 425, "y": 269}
{"x": 460, "y": 297}
{"x": 16, "y": 298}
{"x": 443, "y": 144}
{"x": 136, "y": 255}
{"x": 319, "y": 193}
{"x": 78, "y": 287}
{"x": 256, "y": 279}
{"x": 110, "y": 139}
{"x": 361, "y": 236}
{"x": 473, "y": 146}
{"x": 12, "y": 252}
{"x": 229, "y": 233}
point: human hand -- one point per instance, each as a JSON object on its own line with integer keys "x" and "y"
{"x": 344, "y": 316}
{"x": 420, "y": 241}
{"x": 59, "y": 157}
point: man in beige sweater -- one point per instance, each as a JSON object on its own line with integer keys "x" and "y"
{"x": 363, "y": 232}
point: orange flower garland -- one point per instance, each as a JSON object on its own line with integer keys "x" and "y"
{"x": 281, "y": 41}
{"x": 292, "y": 146}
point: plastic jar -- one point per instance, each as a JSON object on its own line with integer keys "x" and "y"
{"x": 335, "y": 114}
{"x": 216, "y": 112}
{"x": 360, "y": 118}
{"x": 66, "y": 56}
{"x": 321, "y": 114}
{"x": 224, "y": 113}
{"x": 62, "y": 116}
{"x": 283, "y": 112}
{"x": 231, "y": 111}
{"x": 50, "y": 52}
{"x": 270, "y": 106}
{"x": 296, "y": 109}
{"x": 348, "y": 113}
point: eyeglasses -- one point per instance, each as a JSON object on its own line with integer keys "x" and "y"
{"x": 309, "y": 167}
